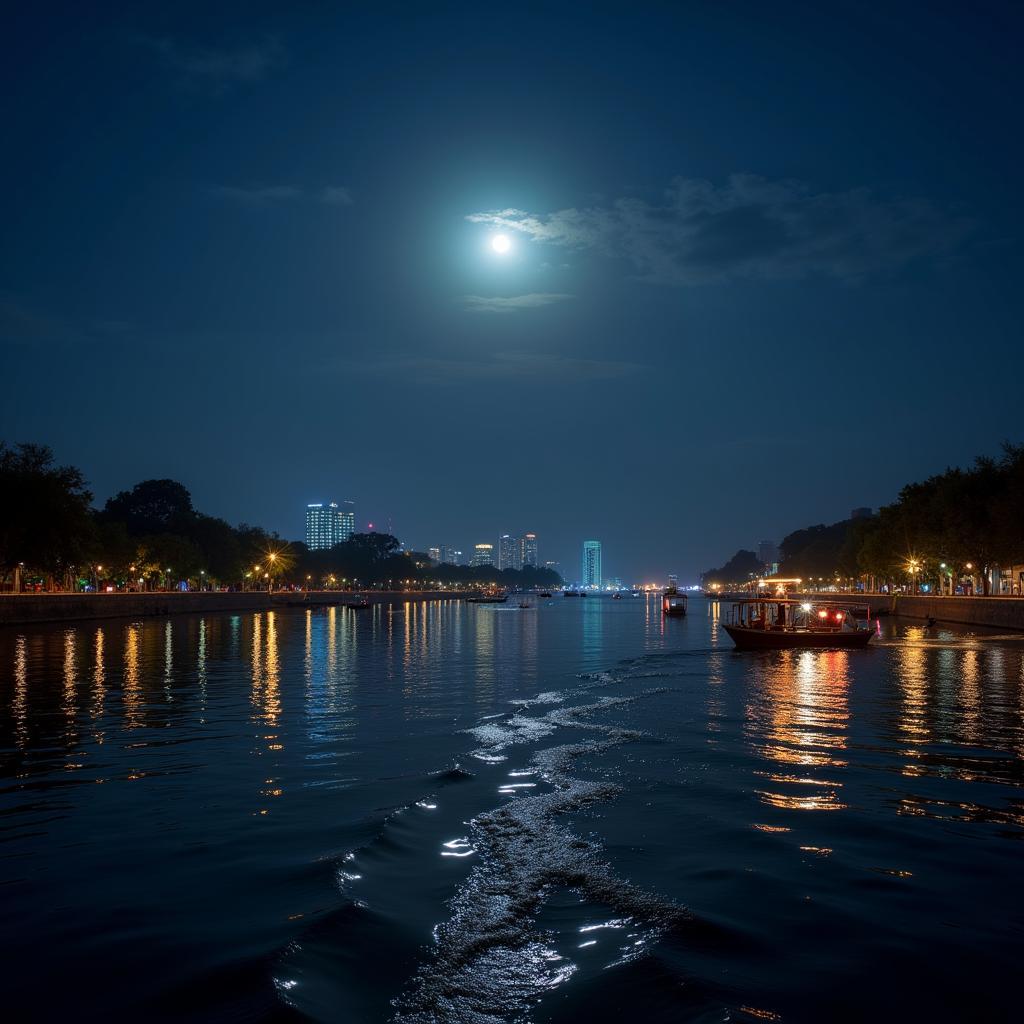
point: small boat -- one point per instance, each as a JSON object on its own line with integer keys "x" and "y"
{"x": 616, "y": 597}
{"x": 525, "y": 604}
{"x": 487, "y": 599}
{"x": 573, "y": 593}
{"x": 358, "y": 602}
{"x": 544, "y": 593}
{"x": 785, "y": 624}
{"x": 673, "y": 604}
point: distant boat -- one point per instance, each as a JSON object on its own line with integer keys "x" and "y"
{"x": 616, "y": 597}
{"x": 573, "y": 593}
{"x": 525, "y": 604}
{"x": 358, "y": 602}
{"x": 544, "y": 593}
{"x": 782, "y": 624}
{"x": 487, "y": 599}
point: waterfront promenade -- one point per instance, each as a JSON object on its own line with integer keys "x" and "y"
{"x": 991, "y": 612}
{"x": 25, "y": 609}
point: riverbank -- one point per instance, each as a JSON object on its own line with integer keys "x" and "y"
{"x": 991, "y": 612}
{"x": 26, "y": 609}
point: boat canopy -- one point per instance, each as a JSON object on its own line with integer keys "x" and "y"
{"x": 791, "y": 615}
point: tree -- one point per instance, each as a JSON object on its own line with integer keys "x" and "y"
{"x": 44, "y": 512}
{"x": 738, "y": 569}
{"x": 152, "y": 506}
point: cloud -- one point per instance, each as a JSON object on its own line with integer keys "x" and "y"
{"x": 511, "y": 303}
{"x": 501, "y": 366}
{"x": 337, "y": 195}
{"x": 266, "y": 195}
{"x": 260, "y": 196}
{"x": 220, "y": 66}
{"x": 24, "y": 324}
{"x": 749, "y": 227}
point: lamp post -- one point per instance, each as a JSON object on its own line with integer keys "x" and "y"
{"x": 96, "y": 578}
{"x": 913, "y": 568}
{"x": 942, "y": 578}
{"x": 970, "y": 568}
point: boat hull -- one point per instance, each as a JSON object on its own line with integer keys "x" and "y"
{"x": 784, "y": 640}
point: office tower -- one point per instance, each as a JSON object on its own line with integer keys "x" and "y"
{"x": 528, "y": 550}
{"x": 767, "y": 552}
{"x": 328, "y": 524}
{"x": 347, "y": 519}
{"x": 591, "y": 575}
{"x": 483, "y": 554}
{"x": 450, "y": 555}
{"x": 435, "y": 554}
{"x": 509, "y": 555}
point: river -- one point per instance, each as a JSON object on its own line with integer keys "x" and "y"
{"x": 440, "y": 812}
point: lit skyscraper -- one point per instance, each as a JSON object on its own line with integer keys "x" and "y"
{"x": 435, "y": 554}
{"x": 347, "y": 519}
{"x": 450, "y": 555}
{"x": 591, "y": 576}
{"x": 483, "y": 554}
{"x": 328, "y": 524}
{"x": 528, "y": 550}
{"x": 509, "y": 554}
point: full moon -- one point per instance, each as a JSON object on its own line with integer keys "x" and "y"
{"x": 501, "y": 244}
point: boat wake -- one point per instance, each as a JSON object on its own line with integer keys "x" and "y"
{"x": 491, "y": 962}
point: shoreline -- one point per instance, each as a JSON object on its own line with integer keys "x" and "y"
{"x": 30, "y": 609}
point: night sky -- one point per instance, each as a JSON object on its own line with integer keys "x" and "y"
{"x": 765, "y": 261}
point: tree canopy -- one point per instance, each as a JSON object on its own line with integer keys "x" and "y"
{"x": 45, "y": 519}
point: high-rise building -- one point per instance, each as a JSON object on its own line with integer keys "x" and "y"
{"x": 767, "y": 552}
{"x": 450, "y": 555}
{"x": 483, "y": 554}
{"x": 591, "y": 575}
{"x": 528, "y": 550}
{"x": 509, "y": 552}
{"x": 435, "y": 554}
{"x": 328, "y": 524}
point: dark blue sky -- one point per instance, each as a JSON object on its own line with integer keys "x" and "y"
{"x": 765, "y": 261}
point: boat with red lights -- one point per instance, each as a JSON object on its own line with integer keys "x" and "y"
{"x": 787, "y": 624}
{"x": 673, "y": 604}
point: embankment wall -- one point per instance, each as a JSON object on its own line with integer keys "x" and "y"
{"x": 25, "y": 609}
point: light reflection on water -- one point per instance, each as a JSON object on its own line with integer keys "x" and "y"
{"x": 241, "y": 756}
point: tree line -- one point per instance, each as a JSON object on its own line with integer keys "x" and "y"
{"x": 150, "y": 536}
{"x": 962, "y": 523}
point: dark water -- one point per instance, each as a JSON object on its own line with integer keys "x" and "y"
{"x": 482, "y": 814}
